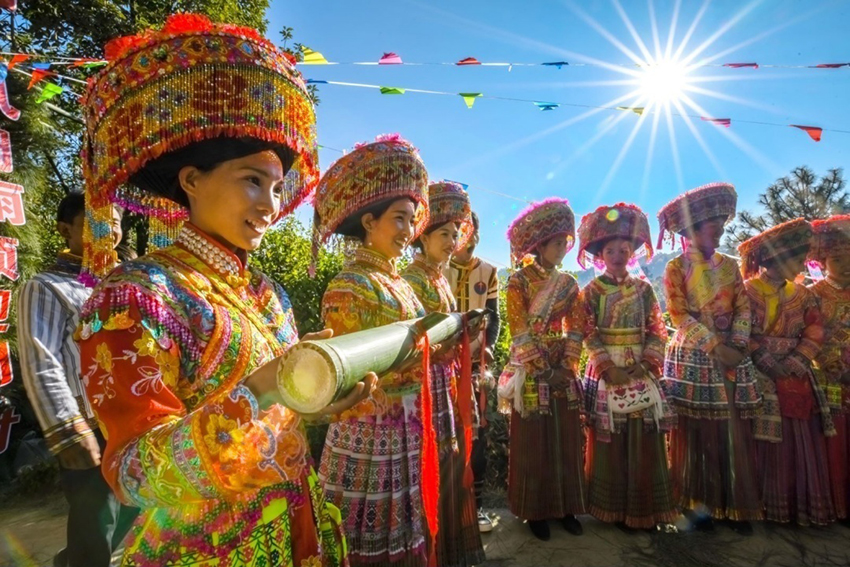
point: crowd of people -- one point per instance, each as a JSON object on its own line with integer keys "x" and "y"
{"x": 157, "y": 390}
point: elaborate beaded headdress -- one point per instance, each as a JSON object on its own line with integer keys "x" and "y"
{"x": 697, "y": 205}
{"x": 538, "y": 223}
{"x": 449, "y": 202}
{"x": 786, "y": 239}
{"x": 389, "y": 167}
{"x": 162, "y": 90}
{"x": 831, "y": 236}
{"x": 619, "y": 221}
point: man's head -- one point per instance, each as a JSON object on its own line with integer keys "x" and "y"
{"x": 70, "y": 219}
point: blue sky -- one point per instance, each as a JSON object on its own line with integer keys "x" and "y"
{"x": 513, "y": 148}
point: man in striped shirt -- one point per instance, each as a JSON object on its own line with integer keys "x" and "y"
{"x": 48, "y": 312}
{"x": 476, "y": 286}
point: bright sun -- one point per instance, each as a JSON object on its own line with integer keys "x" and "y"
{"x": 663, "y": 82}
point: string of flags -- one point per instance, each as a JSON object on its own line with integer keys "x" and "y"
{"x": 469, "y": 98}
{"x": 311, "y": 57}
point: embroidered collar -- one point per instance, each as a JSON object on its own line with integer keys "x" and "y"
{"x": 376, "y": 260}
{"x": 775, "y": 283}
{"x": 540, "y": 270}
{"x": 611, "y": 279}
{"x": 221, "y": 260}
{"x": 430, "y": 268}
{"x": 836, "y": 285}
{"x": 695, "y": 255}
{"x": 68, "y": 263}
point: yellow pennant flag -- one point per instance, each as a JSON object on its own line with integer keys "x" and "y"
{"x": 636, "y": 109}
{"x": 469, "y": 98}
{"x": 312, "y": 57}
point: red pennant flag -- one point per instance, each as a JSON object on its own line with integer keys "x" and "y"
{"x": 741, "y": 65}
{"x": 469, "y": 61}
{"x": 390, "y": 59}
{"x": 39, "y": 75}
{"x": 831, "y": 65}
{"x": 813, "y": 131}
{"x": 725, "y": 122}
{"x": 18, "y": 58}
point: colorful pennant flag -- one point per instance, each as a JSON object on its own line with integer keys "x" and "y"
{"x": 312, "y": 57}
{"x": 49, "y": 91}
{"x": 390, "y": 59}
{"x": 557, "y": 64}
{"x": 391, "y": 90}
{"x": 725, "y": 122}
{"x": 88, "y": 63}
{"x": 469, "y": 61}
{"x": 5, "y": 152}
{"x": 10, "y": 5}
{"x": 547, "y": 105}
{"x": 469, "y": 98}
{"x": 814, "y": 132}
{"x": 830, "y": 65}
{"x": 316, "y": 82}
{"x": 741, "y": 65}
{"x": 18, "y": 58}
{"x": 636, "y": 109}
{"x": 39, "y": 75}
{"x": 42, "y": 66}
{"x": 464, "y": 185}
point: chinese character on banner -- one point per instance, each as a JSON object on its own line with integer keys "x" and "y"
{"x": 9, "y": 257}
{"x": 6, "y": 375}
{"x": 12, "y": 203}
{"x": 5, "y": 301}
{"x": 5, "y": 152}
{"x": 7, "y": 419}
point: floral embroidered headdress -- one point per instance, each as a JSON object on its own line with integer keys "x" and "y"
{"x": 449, "y": 202}
{"x": 831, "y": 235}
{"x": 697, "y": 205}
{"x": 786, "y": 239}
{"x": 619, "y": 221}
{"x": 192, "y": 80}
{"x": 537, "y": 224}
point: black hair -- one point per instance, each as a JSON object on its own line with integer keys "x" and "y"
{"x": 697, "y": 225}
{"x": 475, "y": 222}
{"x": 418, "y": 242}
{"x": 160, "y": 175}
{"x": 596, "y": 248}
{"x": 353, "y": 225}
{"x": 71, "y": 206}
{"x": 785, "y": 256}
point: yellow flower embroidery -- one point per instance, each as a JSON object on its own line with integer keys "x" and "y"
{"x": 169, "y": 366}
{"x": 119, "y": 321}
{"x": 146, "y": 345}
{"x": 103, "y": 357}
{"x": 221, "y": 432}
{"x": 312, "y": 561}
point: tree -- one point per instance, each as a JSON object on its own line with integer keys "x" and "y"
{"x": 797, "y": 195}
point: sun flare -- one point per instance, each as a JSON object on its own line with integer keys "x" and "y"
{"x": 663, "y": 82}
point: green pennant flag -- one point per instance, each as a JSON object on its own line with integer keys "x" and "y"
{"x": 49, "y": 91}
{"x": 93, "y": 64}
{"x": 469, "y": 98}
{"x": 391, "y": 90}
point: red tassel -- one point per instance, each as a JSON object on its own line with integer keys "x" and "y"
{"x": 430, "y": 458}
{"x": 464, "y": 403}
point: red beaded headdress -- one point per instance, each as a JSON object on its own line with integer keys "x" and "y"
{"x": 192, "y": 80}
{"x": 538, "y": 223}
{"x": 831, "y": 236}
{"x": 619, "y": 221}
{"x": 449, "y": 202}
{"x": 786, "y": 239}
{"x": 389, "y": 167}
{"x": 697, "y": 205}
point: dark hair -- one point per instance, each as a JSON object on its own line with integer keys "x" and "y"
{"x": 353, "y": 225}
{"x": 697, "y": 225}
{"x": 418, "y": 242}
{"x": 71, "y": 206}
{"x": 596, "y": 248}
{"x": 785, "y": 256}
{"x": 160, "y": 175}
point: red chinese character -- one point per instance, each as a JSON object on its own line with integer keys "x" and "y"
{"x": 5, "y": 301}
{"x": 6, "y": 375}
{"x": 7, "y": 419}
{"x": 12, "y": 203}
{"x": 9, "y": 257}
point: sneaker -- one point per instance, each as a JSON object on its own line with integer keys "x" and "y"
{"x": 540, "y": 529}
{"x": 485, "y": 524}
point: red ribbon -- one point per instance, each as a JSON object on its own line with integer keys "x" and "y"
{"x": 430, "y": 458}
{"x": 465, "y": 401}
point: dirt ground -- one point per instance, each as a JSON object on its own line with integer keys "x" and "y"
{"x": 33, "y": 529}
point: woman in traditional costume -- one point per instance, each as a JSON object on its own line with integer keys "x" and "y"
{"x": 379, "y": 465}
{"x": 449, "y": 228}
{"x": 628, "y": 476}
{"x": 207, "y": 123}
{"x": 708, "y": 375}
{"x": 538, "y": 387}
{"x": 831, "y": 251}
{"x": 787, "y": 333}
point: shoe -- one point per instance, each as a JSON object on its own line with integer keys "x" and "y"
{"x": 485, "y": 524}
{"x": 61, "y": 559}
{"x": 625, "y": 528}
{"x": 741, "y": 528}
{"x": 540, "y": 529}
{"x": 572, "y": 525}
